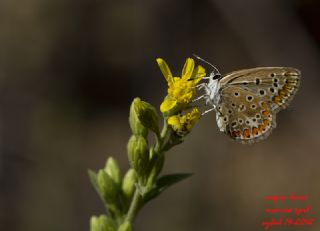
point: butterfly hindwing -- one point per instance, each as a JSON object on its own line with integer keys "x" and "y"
{"x": 244, "y": 115}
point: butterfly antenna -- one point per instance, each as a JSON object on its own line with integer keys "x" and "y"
{"x": 203, "y": 60}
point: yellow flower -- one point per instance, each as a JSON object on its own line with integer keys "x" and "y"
{"x": 180, "y": 89}
{"x": 183, "y": 124}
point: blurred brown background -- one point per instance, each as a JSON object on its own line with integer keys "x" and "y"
{"x": 69, "y": 70}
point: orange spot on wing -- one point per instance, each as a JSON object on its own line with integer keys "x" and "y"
{"x": 261, "y": 127}
{"x": 255, "y": 131}
{"x": 246, "y": 133}
{"x": 265, "y": 113}
{"x": 266, "y": 123}
{"x": 287, "y": 87}
{"x": 235, "y": 134}
{"x": 277, "y": 99}
{"x": 291, "y": 81}
{"x": 282, "y": 93}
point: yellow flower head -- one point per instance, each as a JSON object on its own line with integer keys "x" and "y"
{"x": 183, "y": 124}
{"x": 180, "y": 89}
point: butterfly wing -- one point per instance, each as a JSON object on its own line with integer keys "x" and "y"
{"x": 244, "y": 115}
{"x": 275, "y": 85}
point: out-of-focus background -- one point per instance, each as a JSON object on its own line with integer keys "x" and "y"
{"x": 69, "y": 70}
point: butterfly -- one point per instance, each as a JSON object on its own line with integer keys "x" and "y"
{"x": 247, "y": 101}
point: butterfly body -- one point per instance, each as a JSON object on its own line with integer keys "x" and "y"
{"x": 246, "y": 101}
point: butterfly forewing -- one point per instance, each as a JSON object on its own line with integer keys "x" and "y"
{"x": 275, "y": 85}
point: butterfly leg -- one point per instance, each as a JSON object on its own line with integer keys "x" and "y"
{"x": 209, "y": 110}
{"x": 200, "y": 97}
{"x": 200, "y": 86}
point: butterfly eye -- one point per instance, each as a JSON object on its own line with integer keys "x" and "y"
{"x": 216, "y": 76}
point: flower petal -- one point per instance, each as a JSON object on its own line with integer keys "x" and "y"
{"x": 168, "y": 104}
{"x": 198, "y": 73}
{"x": 174, "y": 122}
{"x": 183, "y": 124}
{"x": 165, "y": 70}
{"x": 187, "y": 69}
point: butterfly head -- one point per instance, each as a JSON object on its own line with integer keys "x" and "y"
{"x": 215, "y": 75}
{"x": 212, "y": 89}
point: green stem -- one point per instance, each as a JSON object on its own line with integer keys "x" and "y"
{"x": 115, "y": 212}
{"x": 134, "y": 206}
{"x": 164, "y": 129}
{"x": 135, "y": 202}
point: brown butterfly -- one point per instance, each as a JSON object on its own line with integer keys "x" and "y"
{"x": 247, "y": 101}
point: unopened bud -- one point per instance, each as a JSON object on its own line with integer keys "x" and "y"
{"x": 135, "y": 124}
{"x": 138, "y": 154}
{"x": 102, "y": 223}
{"x": 147, "y": 115}
{"x": 107, "y": 187}
{"x": 128, "y": 183}
{"x": 112, "y": 169}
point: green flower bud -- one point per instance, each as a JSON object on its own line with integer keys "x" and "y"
{"x": 102, "y": 223}
{"x": 107, "y": 187}
{"x": 126, "y": 226}
{"x": 138, "y": 154}
{"x": 147, "y": 115}
{"x": 128, "y": 183}
{"x": 136, "y": 126}
{"x": 112, "y": 169}
{"x": 94, "y": 224}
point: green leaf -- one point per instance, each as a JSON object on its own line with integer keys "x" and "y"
{"x": 93, "y": 179}
{"x": 163, "y": 183}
